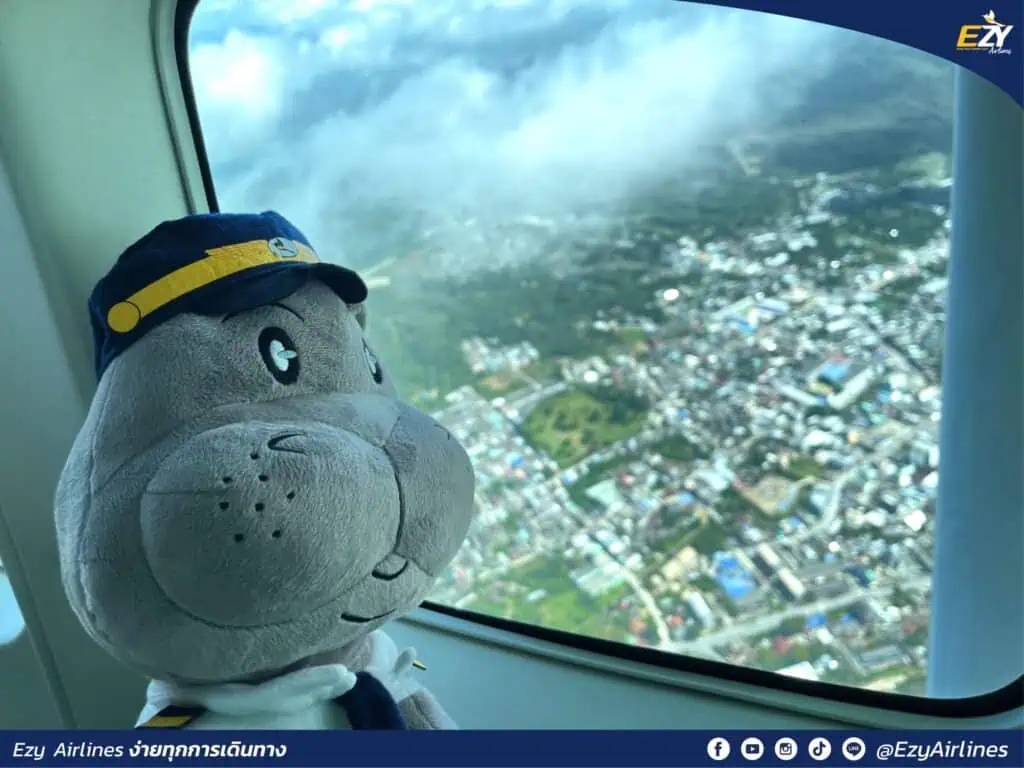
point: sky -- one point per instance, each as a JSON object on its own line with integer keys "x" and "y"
{"x": 11, "y": 622}
{"x": 354, "y": 118}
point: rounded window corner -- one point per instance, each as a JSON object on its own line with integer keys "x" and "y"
{"x": 1005, "y": 699}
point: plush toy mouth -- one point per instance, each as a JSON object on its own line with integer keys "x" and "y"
{"x": 364, "y": 619}
{"x": 382, "y": 574}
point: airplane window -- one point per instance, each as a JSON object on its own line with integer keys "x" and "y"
{"x": 11, "y": 622}
{"x": 674, "y": 274}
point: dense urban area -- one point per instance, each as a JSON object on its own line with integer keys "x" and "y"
{"x": 735, "y": 454}
{"x": 698, "y": 377}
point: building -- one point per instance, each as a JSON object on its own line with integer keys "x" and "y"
{"x": 701, "y": 610}
{"x": 600, "y": 579}
{"x": 792, "y": 587}
{"x": 767, "y": 559}
{"x": 854, "y": 387}
{"x": 606, "y": 493}
{"x": 685, "y": 562}
{"x": 803, "y": 671}
{"x": 735, "y": 580}
{"x": 798, "y": 395}
{"x": 834, "y": 372}
{"x": 884, "y": 657}
{"x": 827, "y": 590}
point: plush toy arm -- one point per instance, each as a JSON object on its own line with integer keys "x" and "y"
{"x": 422, "y": 712}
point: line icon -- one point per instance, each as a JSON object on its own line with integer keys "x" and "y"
{"x": 853, "y": 748}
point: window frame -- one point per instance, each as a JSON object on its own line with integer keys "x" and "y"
{"x": 999, "y": 701}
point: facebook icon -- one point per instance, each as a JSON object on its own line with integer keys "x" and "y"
{"x": 718, "y": 748}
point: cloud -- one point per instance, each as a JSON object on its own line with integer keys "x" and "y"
{"x": 354, "y": 118}
{"x": 241, "y": 87}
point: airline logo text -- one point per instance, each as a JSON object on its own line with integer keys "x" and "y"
{"x": 989, "y": 37}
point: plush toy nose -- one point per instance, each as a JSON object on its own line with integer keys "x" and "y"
{"x": 250, "y": 524}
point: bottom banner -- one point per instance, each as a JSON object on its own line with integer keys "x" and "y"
{"x": 595, "y": 749}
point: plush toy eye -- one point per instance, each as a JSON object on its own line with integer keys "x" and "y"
{"x": 279, "y": 355}
{"x": 373, "y": 363}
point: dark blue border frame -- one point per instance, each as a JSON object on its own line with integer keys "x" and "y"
{"x": 996, "y": 702}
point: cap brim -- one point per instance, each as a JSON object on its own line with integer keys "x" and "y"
{"x": 343, "y": 281}
{"x": 249, "y": 290}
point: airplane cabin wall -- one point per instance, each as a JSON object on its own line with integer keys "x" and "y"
{"x": 85, "y": 141}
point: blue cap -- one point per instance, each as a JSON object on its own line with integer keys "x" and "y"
{"x": 207, "y": 264}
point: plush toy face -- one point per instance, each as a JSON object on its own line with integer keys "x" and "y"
{"x": 247, "y": 491}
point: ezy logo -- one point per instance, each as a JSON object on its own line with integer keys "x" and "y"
{"x": 989, "y": 37}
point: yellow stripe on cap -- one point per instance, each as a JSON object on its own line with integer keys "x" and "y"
{"x": 168, "y": 721}
{"x": 219, "y": 263}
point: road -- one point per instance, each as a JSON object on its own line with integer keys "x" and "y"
{"x": 621, "y": 448}
{"x": 661, "y": 627}
{"x": 762, "y": 625}
{"x": 527, "y": 401}
{"x": 664, "y": 638}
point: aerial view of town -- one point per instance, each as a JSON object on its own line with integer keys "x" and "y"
{"x": 712, "y": 435}
{"x": 701, "y": 396}
{"x": 746, "y": 473}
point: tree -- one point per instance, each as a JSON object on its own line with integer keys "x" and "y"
{"x": 791, "y": 626}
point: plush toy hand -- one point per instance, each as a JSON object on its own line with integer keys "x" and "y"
{"x": 422, "y": 713}
{"x": 418, "y": 706}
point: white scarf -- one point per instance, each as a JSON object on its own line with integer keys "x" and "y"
{"x": 292, "y": 693}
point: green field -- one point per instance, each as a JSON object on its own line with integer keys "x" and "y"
{"x": 574, "y": 424}
{"x": 564, "y": 607}
{"x": 802, "y": 466}
{"x": 678, "y": 448}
